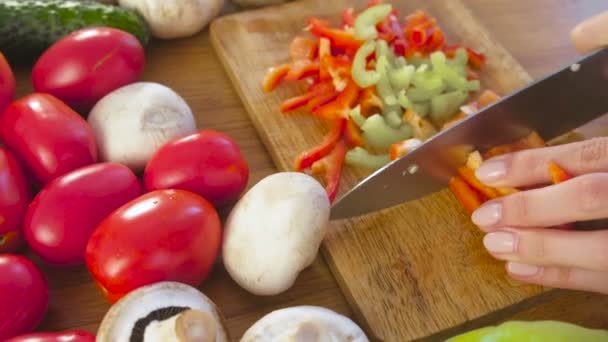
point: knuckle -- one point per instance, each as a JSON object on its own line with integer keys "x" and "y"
{"x": 562, "y": 276}
{"x": 593, "y": 153}
{"x": 590, "y": 192}
{"x": 601, "y": 258}
{"x": 516, "y": 206}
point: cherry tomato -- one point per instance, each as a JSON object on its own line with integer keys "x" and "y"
{"x": 209, "y": 163}
{"x": 63, "y": 215}
{"x": 163, "y": 235}
{"x": 15, "y": 195}
{"x": 87, "y": 64}
{"x": 24, "y": 296}
{"x": 7, "y": 83}
{"x": 60, "y": 336}
{"x": 47, "y": 136}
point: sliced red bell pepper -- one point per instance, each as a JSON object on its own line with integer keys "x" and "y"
{"x": 301, "y": 69}
{"x": 339, "y": 38}
{"x": 332, "y": 166}
{"x": 372, "y": 3}
{"x": 340, "y": 107}
{"x": 324, "y": 52}
{"x": 486, "y": 98}
{"x": 274, "y": 76}
{"x": 307, "y": 159}
{"x": 370, "y": 103}
{"x": 324, "y": 93}
{"x": 352, "y": 134}
{"x": 468, "y": 197}
{"x": 558, "y": 175}
{"x": 303, "y": 48}
{"x": 468, "y": 175}
{"x": 296, "y": 102}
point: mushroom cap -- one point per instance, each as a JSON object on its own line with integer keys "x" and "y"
{"x": 118, "y": 323}
{"x": 304, "y": 323}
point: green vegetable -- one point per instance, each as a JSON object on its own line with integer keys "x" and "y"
{"x": 401, "y": 77}
{"x": 393, "y": 117}
{"x": 384, "y": 88}
{"x": 360, "y": 157}
{"x": 363, "y": 77}
{"x": 538, "y": 331}
{"x": 28, "y": 27}
{"x": 355, "y": 114}
{"x": 365, "y": 24}
{"x": 378, "y": 134}
{"x": 445, "y": 106}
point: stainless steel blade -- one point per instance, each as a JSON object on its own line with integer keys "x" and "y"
{"x": 552, "y": 106}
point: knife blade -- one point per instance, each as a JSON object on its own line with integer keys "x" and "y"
{"x": 554, "y": 105}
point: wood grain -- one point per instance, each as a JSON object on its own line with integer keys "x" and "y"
{"x": 535, "y": 32}
{"x": 387, "y": 263}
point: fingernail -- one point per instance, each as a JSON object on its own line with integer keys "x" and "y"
{"x": 492, "y": 171}
{"x": 522, "y": 270}
{"x": 500, "y": 242}
{"x": 488, "y": 215}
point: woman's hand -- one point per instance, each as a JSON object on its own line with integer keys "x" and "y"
{"x": 516, "y": 224}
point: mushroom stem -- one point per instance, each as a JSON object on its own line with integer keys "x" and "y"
{"x": 188, "y": 326}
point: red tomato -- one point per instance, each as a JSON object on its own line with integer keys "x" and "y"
{"x": 87, "y": 64}
{"x": 24, "y": 296}
{"x": 49, "y": 137}
{"x": 164, "y": 235}
{"x": 209, "y": 163}
{"x": 7, "y": 83}
{"x": 61, "y": 336}
{"x": 63, "y": 215}
{"x": 15, "y": 195}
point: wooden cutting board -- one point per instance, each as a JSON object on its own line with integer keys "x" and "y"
{"x": 415, "y": 271}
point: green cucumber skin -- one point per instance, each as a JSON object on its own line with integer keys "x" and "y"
{"x": 29, "y": 27}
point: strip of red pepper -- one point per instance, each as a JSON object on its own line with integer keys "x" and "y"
{"x": 476, "y": 59}
{"x": 308, "y": 158}
{"x": 316, "y": 93}
{"x": 332, "y": 166}
{"x": 274, "y": 77}
{"x": 340, "y": 107}
{"x": 339, "y": 38}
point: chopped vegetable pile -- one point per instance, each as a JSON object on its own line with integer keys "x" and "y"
{"x": 386, "y": 85}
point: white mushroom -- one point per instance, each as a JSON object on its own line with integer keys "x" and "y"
{"x": 133, "y": 121}
{"x": 168, "y": 19}
{"x": 274, "y": 232}
{"x": 304, "y": 324}
{"x": 164, "y": 311}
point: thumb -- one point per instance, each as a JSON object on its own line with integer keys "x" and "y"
{"x": 591, "y": 34}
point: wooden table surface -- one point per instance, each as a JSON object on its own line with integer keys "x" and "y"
{"x": 535, "y": 32}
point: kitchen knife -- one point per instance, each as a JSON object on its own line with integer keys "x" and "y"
{"x": 552, "y": 106}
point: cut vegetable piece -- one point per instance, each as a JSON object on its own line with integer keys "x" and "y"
{"x": 355, "y": 115}
{"x": 366, "y": 21}
{"x": 303, "y": 48}
{"x": 274, "y": 76}
{"x": 306, "y": 159}
{"x": 469, "y": 199}
{"x": 302, "y": 68}
{"x": 468, "y": 175}
{"x": 370, "y": 102}
{"x": 404, "y": 147}
{"x": 446, "y": 106}
{"x": 393, "y": 118}
{"x": 364, "y": 78}
{"x": 401, "y": 77}
{"x": 360, "y": 157}
{"x": 341, "y": 106}
{"x": 332, "y": 165}
{"x": 486, "y": 98}
{"x": 460, "y": 116}
{"x": 379, "y": 135}
{"x": 324, "y": 51}
{"x": 384, "y": 88}
{"x": 474, "y": 160}
{"x": 558, "y": 175}
{"x": 352, "y": 134}
{"x": 339, "y": 38}
{"x": 422, "y": 129}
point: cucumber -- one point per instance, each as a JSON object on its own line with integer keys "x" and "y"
{"x": 29, "y": 27}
